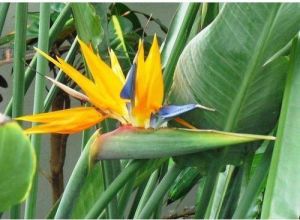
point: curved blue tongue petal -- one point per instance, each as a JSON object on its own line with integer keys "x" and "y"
{"x": 129, "y": 87}
{"x": 170, "y": 111}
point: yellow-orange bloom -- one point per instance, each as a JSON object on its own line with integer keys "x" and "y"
{"x": 135, "y": 101}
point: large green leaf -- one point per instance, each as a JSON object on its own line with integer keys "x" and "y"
{"x": 282, "y": 197}
{"x": 136, "y": 143}
{"x": 223, "y": 67}
{"x": 88, "y": 23}
{"x": 17, "y": 164}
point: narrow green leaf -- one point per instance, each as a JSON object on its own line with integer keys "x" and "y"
{"x": 282, "y": 197}
{"x": 176, "y": 39}
{"x": 147, "y": 192}
{"x": 209, "y": 13}
{"x": 16, "y": 153}
{"x": 117, "y": 33}
{"x": 151, "y": 166}
{"x": 159, "y": 192}
{"x": 130, "y": 142}
{"x": 183, "y": 184}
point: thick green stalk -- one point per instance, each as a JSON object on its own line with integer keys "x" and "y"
{"x": 55, "y": 29}
{"x": 137, "y": 199}
{"x": 159, "y": 192}
{"x": 125, "y": 196}
{"x": 108, "y": 177}
{"x": 230, "y": 198}
{"x": 3, "y": 12}
{"x": 75, "y": 182}
{"x": 255, "y": 185}
{"x": 108, "y": 168}
{"x": 19, "y": 55}
{"x": 162, "y": 172}
{"x": 147, "y": 193}
{"x": 43, "y": 44}
{"x": 18, "y": 76}
{"x": 176, "y": 39}
{"x": 113, "y": 188}
{"x": 208, "y": 189}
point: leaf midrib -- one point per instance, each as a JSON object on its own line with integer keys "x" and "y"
{"x": 235, "y": 109}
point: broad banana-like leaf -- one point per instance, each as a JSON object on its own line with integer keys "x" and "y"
{"x": 282, "y": 196}
{"x": 135, "y": 143}
{"x": 224, "y": 67}
{"x": 17, "y": 164}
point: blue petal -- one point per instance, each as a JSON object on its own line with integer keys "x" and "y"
{"x": 170, "y": 111}
{"x": 129, "y": 87}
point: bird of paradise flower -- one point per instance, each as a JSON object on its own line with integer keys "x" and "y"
{"x": 136, "y": 100}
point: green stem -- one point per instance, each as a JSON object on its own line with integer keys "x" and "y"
{"x": 159, "y": 192}
{"x": 229, "y": 203}
{"x": 207, "y": 190}
{"x": 176, "y": 39}
{"x": 162, "y": 173}
{"x": 18, "y": 76}
{"x": 3, "y": 12}
{"x": 53, "y": 33}
{"x": 113, "y": 188}
{"x": 19, "y": 55}
{"x": 255, "y": 185}
{"x": 75, "y": 182}
{"x": 107, "y": 170}
{"x": 125, "y": 196}
{"x": 223, "y": 189}
{"x": 147, "y": 193}
{"x": 137, "y": 200}
{"x": 43, "y": 44}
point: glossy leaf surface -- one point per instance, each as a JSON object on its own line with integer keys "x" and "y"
{"x": 135, "y": 143}
{"x": 282, "y": 197}
{"x": 17, "y": 164}
{"x": 223, "y": 67}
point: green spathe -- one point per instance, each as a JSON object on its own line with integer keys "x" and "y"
{"x": 136, "y": 143}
